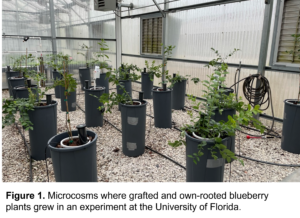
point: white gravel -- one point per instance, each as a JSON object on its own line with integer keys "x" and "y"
{"x": 149, "y": 167}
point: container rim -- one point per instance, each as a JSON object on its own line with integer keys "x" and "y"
{"x": 168, "y": 90}
{"x": 291, "y": 104}
{"x": 74, "y": 133}
{"x": 54, "y": 103}
{"x": 142, "y": 105}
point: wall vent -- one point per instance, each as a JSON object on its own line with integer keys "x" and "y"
{"x": 105, "y": 5}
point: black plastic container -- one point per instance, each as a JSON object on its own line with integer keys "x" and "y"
{"x": 71, "y": 100}
{"x": 93, "y": 116}
{"x": 44, "y": 119}
{"x": 103, "y": 82}
{"x": 178, "y": 95}
{"x": 162, "y": 101}
{"x": 57, "y": 76}
{"x": 8, "y": 75}
{"x": 22, "y": 91}
{"x": 228, "y": 90}
{"x": 224, "y": 116}
{"x": 76, "y": 164}
{"x": 16, "y": 82}
{"x": 133, "y": 129}
{"x": 207, "y": 169}
{"x": 127, "y": 87}
{"x": 84, "y": 74}
{"x": 291, "y": 127}
{"x": 147, "y": 86}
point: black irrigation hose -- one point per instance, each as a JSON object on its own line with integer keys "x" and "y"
{"x": 260, "y": 95}
{"x": 270, "y": 163}
{"x": 145, "y": 145}
{"x": 26, "y": 145}
{"x": 276, "y": 136}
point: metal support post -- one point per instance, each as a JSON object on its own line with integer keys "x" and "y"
{"x": 162, "y": 13}
{"x": 164, "y": 20}
{"x": 264, "y": 42}
{"x": 118, "y": 38}
{"x": 53, "y": 32}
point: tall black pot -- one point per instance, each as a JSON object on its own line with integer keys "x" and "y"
{"x": 127, "y": 85}
{"x": 103, "y": 81}
{"x": 8, "y": 75}
{"x": 44, "y": 119}
{"x": 71, "y": 100}
{"x": 162, "y": 108}
{"x": 76, "y": 164}
{"x": 224, "y": 116}
{"x": 178, "y": 95}
{"x": 133, "y": 129}
{"x": 207, "y": 169}
{"x": 15, "y": 82}
{"x": 291, "y": 127}
{"x": 57, "y": 76}
{"x": 93, "y": 116}
{"x": 84, "y": 74}
{"x": 228, "y": 90}
{"x": 22, "y": 91}
{"x": 147, "y": 85}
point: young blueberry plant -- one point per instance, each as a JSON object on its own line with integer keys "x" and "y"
{"x": 179, "y": 78}
{"x": 116, "y": 77}
{"x": 60, "y": 62}
{"x": 85, "y": 54}
{"x": 11, "y": 106}
{"x": 101, "y": 57}
{"x": 158, "y": 70}
{"x": 153, "y": 70}
{"x": 206, "y": 127}
{"x": 22, "y": 60}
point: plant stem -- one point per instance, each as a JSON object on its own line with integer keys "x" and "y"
{"x": 67, "y": 106}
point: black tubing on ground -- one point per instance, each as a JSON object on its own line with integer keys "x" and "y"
{"x": 145, "y": 146}
{"x": 27, "y": 146}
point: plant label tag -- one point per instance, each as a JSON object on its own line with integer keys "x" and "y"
{"x": 132, "y": 120}
{"x": 212, "y": 163}
{"x": 131, "y": 146}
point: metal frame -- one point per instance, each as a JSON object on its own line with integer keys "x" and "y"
{"x": 276, "y": 37}
{"x": 145, "y": 17}
{"x": 261, "y": 65}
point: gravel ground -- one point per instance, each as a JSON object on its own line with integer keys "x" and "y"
{"x": 150, "y": 167}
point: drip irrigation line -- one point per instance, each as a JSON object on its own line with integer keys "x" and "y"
{"x": 26, "y": 145}
{"x": 145, "y": 145}
{"x": 166, "y": 157}
{"x": 265, "y": 162}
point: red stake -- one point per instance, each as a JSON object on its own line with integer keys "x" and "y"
{"x": 258, "y": 137}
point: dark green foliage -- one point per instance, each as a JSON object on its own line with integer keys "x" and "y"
{"x": 203, "y": 124}
{"x": 11, "y": 106}
{"x": 125, "y": 72}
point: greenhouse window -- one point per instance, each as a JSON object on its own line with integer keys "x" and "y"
{"x": 287, "y": 24}
{"x": 151, "y": 32}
